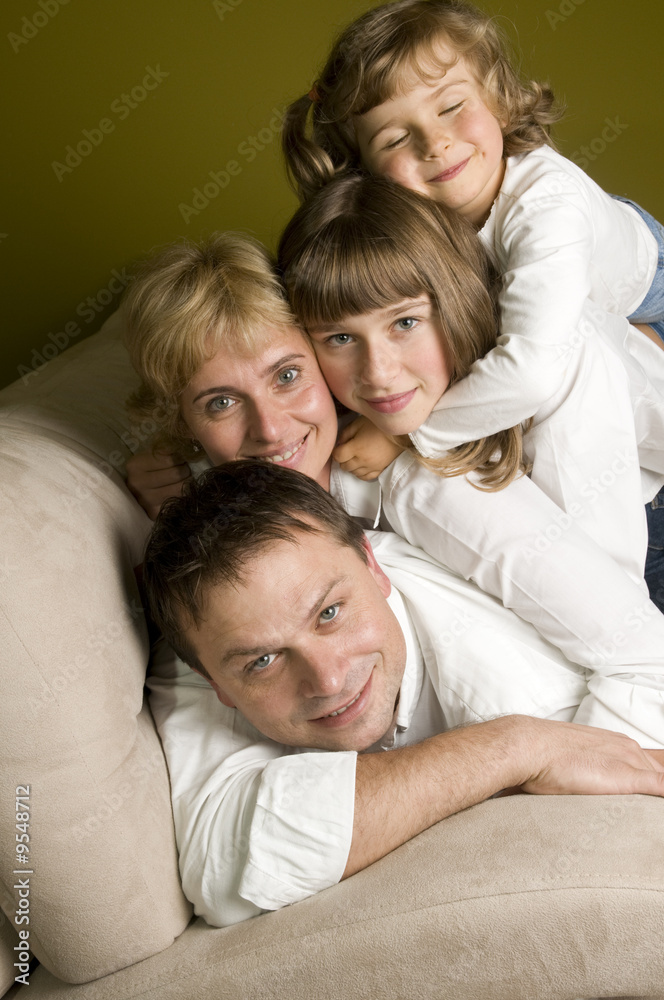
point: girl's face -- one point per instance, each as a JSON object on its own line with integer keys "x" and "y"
{"x": 391, "y": 365}
{"x": 273, "y": 406}
{"x": 438, "y": 139}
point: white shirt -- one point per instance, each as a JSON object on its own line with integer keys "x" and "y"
{"x": 583, "y": 441}
{"x": 558, "y": 240}
{"x": 259, "y": 825}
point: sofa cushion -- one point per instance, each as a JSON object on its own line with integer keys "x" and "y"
{"x": 547, "y": 897}
{"x": 105, "y": 889}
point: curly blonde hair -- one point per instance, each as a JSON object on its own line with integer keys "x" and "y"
{"x": 183, "y": 303}
{"x": 368, "y": 64}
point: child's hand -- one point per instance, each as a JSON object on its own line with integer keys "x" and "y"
{"x": 154, "y": 477}
{"x": 364, "y": 450}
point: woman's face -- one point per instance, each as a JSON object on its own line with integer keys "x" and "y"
{"x": 273, "y": 406}
{"x": 391, "y": 365}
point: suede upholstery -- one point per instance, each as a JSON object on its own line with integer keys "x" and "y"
{"x": 552, "y": 897}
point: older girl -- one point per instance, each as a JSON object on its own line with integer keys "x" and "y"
{"x": 397, "y": 295}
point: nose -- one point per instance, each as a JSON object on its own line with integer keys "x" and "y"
{"x": 268, "y": 422}
{"x": 322, "y": 672}
{"x": 435, "y": 140}
{"x": 379, "y": 365}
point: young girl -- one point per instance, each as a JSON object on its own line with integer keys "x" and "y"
{"x": 421, "y": 91}
{"x": 397, "y": 295}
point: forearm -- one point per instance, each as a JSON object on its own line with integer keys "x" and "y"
{"x": 400, "y": 793}
{"x": 403, "y": 792}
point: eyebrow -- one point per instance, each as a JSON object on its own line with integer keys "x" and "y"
{"x": 270, "y": 370}
{"x": 316, "y": 604}
{"x": 434, "y": 97}
{"x": 400, "y": 307}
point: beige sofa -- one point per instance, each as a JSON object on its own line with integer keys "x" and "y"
{"x": 520, "y": 897}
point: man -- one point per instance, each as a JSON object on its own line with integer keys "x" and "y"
{"x": 266, "y": 588}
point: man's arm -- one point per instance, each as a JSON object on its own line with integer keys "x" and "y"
{"x": 400, "y": 793}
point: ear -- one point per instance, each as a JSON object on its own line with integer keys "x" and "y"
{"x": 377, "y": 573}
{"x": 223, "y": 698}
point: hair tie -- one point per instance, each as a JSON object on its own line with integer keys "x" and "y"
{"x": 314, "y": 95}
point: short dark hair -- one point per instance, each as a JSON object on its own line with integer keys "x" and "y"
{"x": 204, "y": 538}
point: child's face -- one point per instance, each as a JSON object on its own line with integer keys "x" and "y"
{"x": 439, "y": 139}
{"x": 390, "y": 365}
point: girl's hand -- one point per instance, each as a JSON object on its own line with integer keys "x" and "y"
{"x": 364, "y": 450}
{"x": 153, "y": 477}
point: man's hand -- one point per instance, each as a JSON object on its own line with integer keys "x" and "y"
{"x": 580, "y": 760}
{"x": 153, "y": 477}
{"x": 364, "y": 450}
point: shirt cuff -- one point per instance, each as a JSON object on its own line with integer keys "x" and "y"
{"x": 301, "y": 829}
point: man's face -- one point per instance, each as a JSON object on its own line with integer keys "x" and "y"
{"x": 306, "y": 645}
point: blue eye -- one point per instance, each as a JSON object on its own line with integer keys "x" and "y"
{"x": 262, "y": 662}
{"x": 288, "y": 376}
{"x": 220, "y": 403}
{"x": 407, "y": 323}
{"x": 329, "y": 614}
{"x": 339, "y": 339}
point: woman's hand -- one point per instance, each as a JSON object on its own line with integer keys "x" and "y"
{"x": 153, "y": 477}
{"x": 364, "y": 450}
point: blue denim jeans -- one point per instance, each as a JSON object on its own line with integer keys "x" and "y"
{"x": 655, "y": 558}
{"x": 651, "y": 310}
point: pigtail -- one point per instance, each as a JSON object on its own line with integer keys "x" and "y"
{"x": 309, "y": 166}
{"x": 530, "y": 118}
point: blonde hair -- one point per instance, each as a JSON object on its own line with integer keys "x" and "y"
{"x": 368, "y": 64}
{"x": 364, "y": 243}
{"x": 183, "y": 303}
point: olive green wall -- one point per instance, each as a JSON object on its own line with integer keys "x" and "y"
{"x": 169, "y": 91}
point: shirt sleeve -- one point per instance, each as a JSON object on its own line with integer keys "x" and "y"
{"x": 517, "y": 545}
{"x": 546, "y": 240}
{"x": 258, "y": 826}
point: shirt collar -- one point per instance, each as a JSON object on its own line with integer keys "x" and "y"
{"x": 413, "y": 675}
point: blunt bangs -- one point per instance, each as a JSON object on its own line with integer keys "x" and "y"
{"x": 348, "y": 272}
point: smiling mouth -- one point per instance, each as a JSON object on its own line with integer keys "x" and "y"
{"x": 391, "y": 404}
{"x": 340, "y": 711}
{"x": 348, "y": 713}
{"x": 448, "y": 175}
{"x": 288, "y": 453}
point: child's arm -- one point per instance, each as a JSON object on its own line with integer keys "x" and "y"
{"x": 544, "y": 237}
{"x": 518, "y": 546}
{"x": 364, "y": 450}
{"x": 153, "y": 477}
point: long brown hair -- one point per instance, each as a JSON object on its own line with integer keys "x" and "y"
{"x": 363, "y": 243}
{"x": 367, "y": 66}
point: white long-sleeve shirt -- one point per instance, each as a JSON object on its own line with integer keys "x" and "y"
{"x": 558, "y": 240}
{"x": 260, "y": 826}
